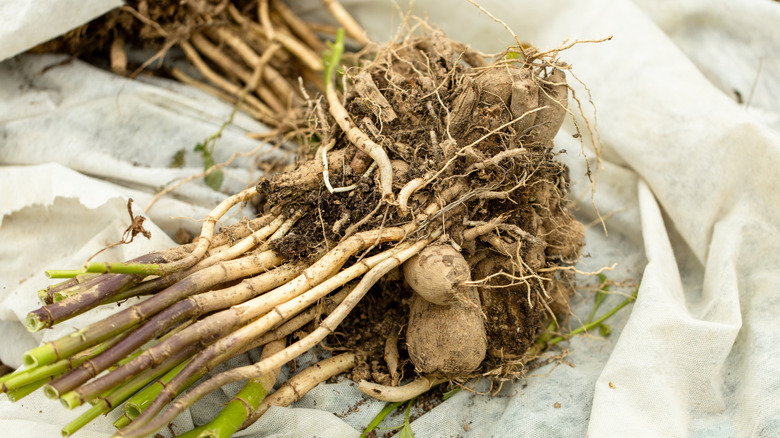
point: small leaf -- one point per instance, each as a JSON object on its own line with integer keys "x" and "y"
{"x": 214, "y": 179}
{"x": 200, "y": 147}
{"x": 178, "y": 159}
{"x": 406, "y": 431}
{"x": 601, "y": 295}
{"x": 390, "y": 407}
{"x": 605, "y": 330}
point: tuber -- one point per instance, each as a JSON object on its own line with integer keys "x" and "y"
{"x": 446, "y": 332}
{"x": 437, "y": 273}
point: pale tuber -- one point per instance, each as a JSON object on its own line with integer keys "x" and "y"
{"x": 446, "y": 333}
{"x": 437, "y": 274}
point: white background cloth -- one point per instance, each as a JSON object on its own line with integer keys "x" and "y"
{"x": 689, "y": 189}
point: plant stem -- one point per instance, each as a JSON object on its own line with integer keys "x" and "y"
{"x": 594, "y": 324}
{"x": 117, "y": 396}
{"x": 160, "y": 322}
{"x": 43, "y": 373}
{"x": 143, "y": 398}
{"x": 241, "y": 406}
{"x": 295, "y": 387}
{"x": 72, "y": 400}
{"x": 51, "y": 314}
{"x": 600, "y": 295}
{"x": 133, "y": 315}
{"x": 147, "y": 425}
{"x": 64, "y": 273}
{"x": 390, "y": 407}
{"x": 19, "y": 393}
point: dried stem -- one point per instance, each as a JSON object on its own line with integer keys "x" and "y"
{"x": 223, "y": 83}
{"x": 352, "y": 27}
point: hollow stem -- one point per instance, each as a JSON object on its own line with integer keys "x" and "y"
{"x": 77, "y": 282}
{"x": 45, "y": 372}
{"x": 59, "y": 311}
{"x": 113, "y": 397}
{"x": 201, "y": 280}
{"x": 141, "y": 400}
{"x": 19, "y": 393}
{"x": 96, "y": 332}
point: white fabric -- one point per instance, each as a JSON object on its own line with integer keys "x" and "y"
{"x": 688, "y": 189}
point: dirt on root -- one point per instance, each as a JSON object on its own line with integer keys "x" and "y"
{"x": 480, "y": 135}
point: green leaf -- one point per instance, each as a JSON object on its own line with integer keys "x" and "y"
{"x": 178, "y": 159}
{"x": 214, "y": 179}
{"x": 605, "y": 330}
{"x": 511, "y": 55}
{"x": 406, "y": 431}
{"x": 390, "y": 407}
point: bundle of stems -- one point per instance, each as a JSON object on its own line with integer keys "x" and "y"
{"x": 251, "y": 57}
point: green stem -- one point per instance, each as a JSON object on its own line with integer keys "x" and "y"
{"x": 117, "y": 396}
{"x": 548, "y": 332}
{"x": 23, "y": 391}
{"x": 140, "y": 401}
{"x": 230, "y": 419}
{"x": 332, "y": 57}
{"x": 79, "y": 282}
{"x": 390, "y": 407}
{"x": 124, "y": 391}
{"x": 82, "y": 420}
{"x": 43, "y": 373}
{"x": 594, "y": 324}
{"x": 601, "y": 294}
{"x": 64, "y": 273}
{"x": 122, "y": 421}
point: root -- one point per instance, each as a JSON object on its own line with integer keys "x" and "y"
{"x": 361, "y": 141}
{"x": 297, "y": 386}
{"x": 399, "y": 393}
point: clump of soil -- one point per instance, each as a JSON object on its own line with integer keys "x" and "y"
{"x": 480, "y": 136}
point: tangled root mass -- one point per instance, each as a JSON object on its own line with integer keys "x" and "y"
{"x": 480, "y": 132}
